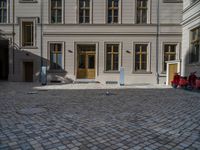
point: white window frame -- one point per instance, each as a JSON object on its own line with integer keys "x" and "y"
{"x": 178, "y": 44}
{"x": 120, "y": 57}
{"x": 49, "y": 57}
{"x": 148, "y": 12}
{"x": 148, "y": 70}
{"x": 63, "y": 12}
{"x": 34, "y": 20}
{"x": 91, "y": 12}
{"x": 119, "y": 13}
{"x": 8, "y": 10}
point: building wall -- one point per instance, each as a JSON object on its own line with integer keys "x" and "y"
{"x": 99, "y": 32}
{"x": 191, "y": 20}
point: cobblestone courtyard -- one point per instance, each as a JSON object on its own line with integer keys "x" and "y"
{"x": 146, "y": 119}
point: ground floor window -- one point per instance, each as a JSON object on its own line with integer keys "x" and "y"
{"x": 169, "y": 54}
{"x": 141, "y": 57}
{"x": 112, "y": 57}
{"x": 195, "y": 45}
{"x": 56, "y": 56}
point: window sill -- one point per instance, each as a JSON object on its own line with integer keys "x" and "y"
{"x": 112, "y": 71}
{"x": 141, "y": 72}
{"x": 26, "y": 1}
{"x": 29, "y": 47}
{"x": 194, "y": 64}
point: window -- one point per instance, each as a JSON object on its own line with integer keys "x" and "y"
{"x": 195, "y": 48}
{"x": 55, "y": 56}
{"x": 3, "y": 11}
{"x": 28, "y": 1}
{"x": 84, "y": 11}
{"x": 112, "y": 57}
{"x": 169, "y": 54}
{"x": 56, "y": 11}
{"x": 27, "y": 33}
{"x": 142, "y": 11}
{"x": 113, "y": 11}
{"x": 141, "y": 57}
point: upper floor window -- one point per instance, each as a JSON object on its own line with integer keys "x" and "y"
{"x": 113, "y": 11}
{"x": 169, "y": 54}
{"x": 195, "y": 45}
{"x": 56, "y": 11}
{"x": 27, "y": 33}
{"x": 84, "y": 11}
{"x": 3, "y": 11}
{"x": 112, "y": 57}
{"x": 142, "y": 11}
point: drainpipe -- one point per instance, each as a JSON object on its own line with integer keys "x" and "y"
{"x": 13, "y": 36}
{"x": 41, "y": 36}
{"x": 157, "y": 41}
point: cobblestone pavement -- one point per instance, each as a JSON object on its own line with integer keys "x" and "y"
{"x": 147, "y": 119}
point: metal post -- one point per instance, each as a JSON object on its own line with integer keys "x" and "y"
{"x": 13, "y": 36}
{"x": 157, "y": 40}
{"x": 41, "y": 36}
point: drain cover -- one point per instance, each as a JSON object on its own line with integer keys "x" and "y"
{"x": 31, "y": 111}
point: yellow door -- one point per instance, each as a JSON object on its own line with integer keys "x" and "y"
{"x": 90, "y": 66}
{"x": 172, "y": 69}
{"x": 86, "y": 65}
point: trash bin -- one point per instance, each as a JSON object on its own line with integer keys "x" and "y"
{"x": 44, "y": 75}
{"x": 121, "y": 80}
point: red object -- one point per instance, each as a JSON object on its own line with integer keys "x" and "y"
{"x": 197, "y": 83}
{"x": 176, "y": 80}
{"x": 192, "y": 80}
{"x": 183, "y": 82}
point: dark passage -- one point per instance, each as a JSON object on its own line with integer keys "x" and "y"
{"x": 4, "y": 67}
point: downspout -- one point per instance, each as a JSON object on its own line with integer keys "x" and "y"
{"x": 13, "y": 36}
{"x": 41, "y": 36}
{"x": 157, "y": 40}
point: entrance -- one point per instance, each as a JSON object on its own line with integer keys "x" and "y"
{"x": 173, "y": 68}
{"x": 28, "y": 71}
{"x": 4, "y": 65}
{"x": 86, "y": 61}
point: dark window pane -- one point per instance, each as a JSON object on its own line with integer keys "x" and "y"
{"x": 81, "y": 62}
{"x": 108, "y": 62}
{"x": 91, "y": 61}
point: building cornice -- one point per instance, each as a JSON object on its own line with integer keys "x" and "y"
{"x": 190, "y": 6}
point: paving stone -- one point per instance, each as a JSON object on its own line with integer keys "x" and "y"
{"x": 156, "y": 119}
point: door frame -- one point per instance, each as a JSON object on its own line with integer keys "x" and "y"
{"x": 96, "y": 44}
{"x": 23, "y": 69}
{"x": 178, "y": 62}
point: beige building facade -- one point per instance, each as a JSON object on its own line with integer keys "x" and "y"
{"x": 191, "y": 37}
{"x": 90, "y": 40}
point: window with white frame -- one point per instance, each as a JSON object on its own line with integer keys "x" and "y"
{"x": 84, "y": 11}
{"x": 169, "y": 54}
{"x": 113, "y": 11}
{"x": 142, "y": 11}
{"x": 56, "y": 56}
{"x": 141, "y": 60}
{"x": 112, "y": 57}
{"x": 195, "y": 45}
{"x": 56, "y": 11}
{"x": 27, "y": 33}
{"x": 3, "y": 11}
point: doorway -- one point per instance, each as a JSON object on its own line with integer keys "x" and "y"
{"x": 4, "y": 55}
{"x": 86, "y": 65}
{"x": 28, "y": 71}
{"x": 173, "y": 68}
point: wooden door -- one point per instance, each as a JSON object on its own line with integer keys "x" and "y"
{"x": 172, "y": 69}
{"x": 90, "y": 66}
{"x": 86, "y": 65}
{"x": 28, "y": 71}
